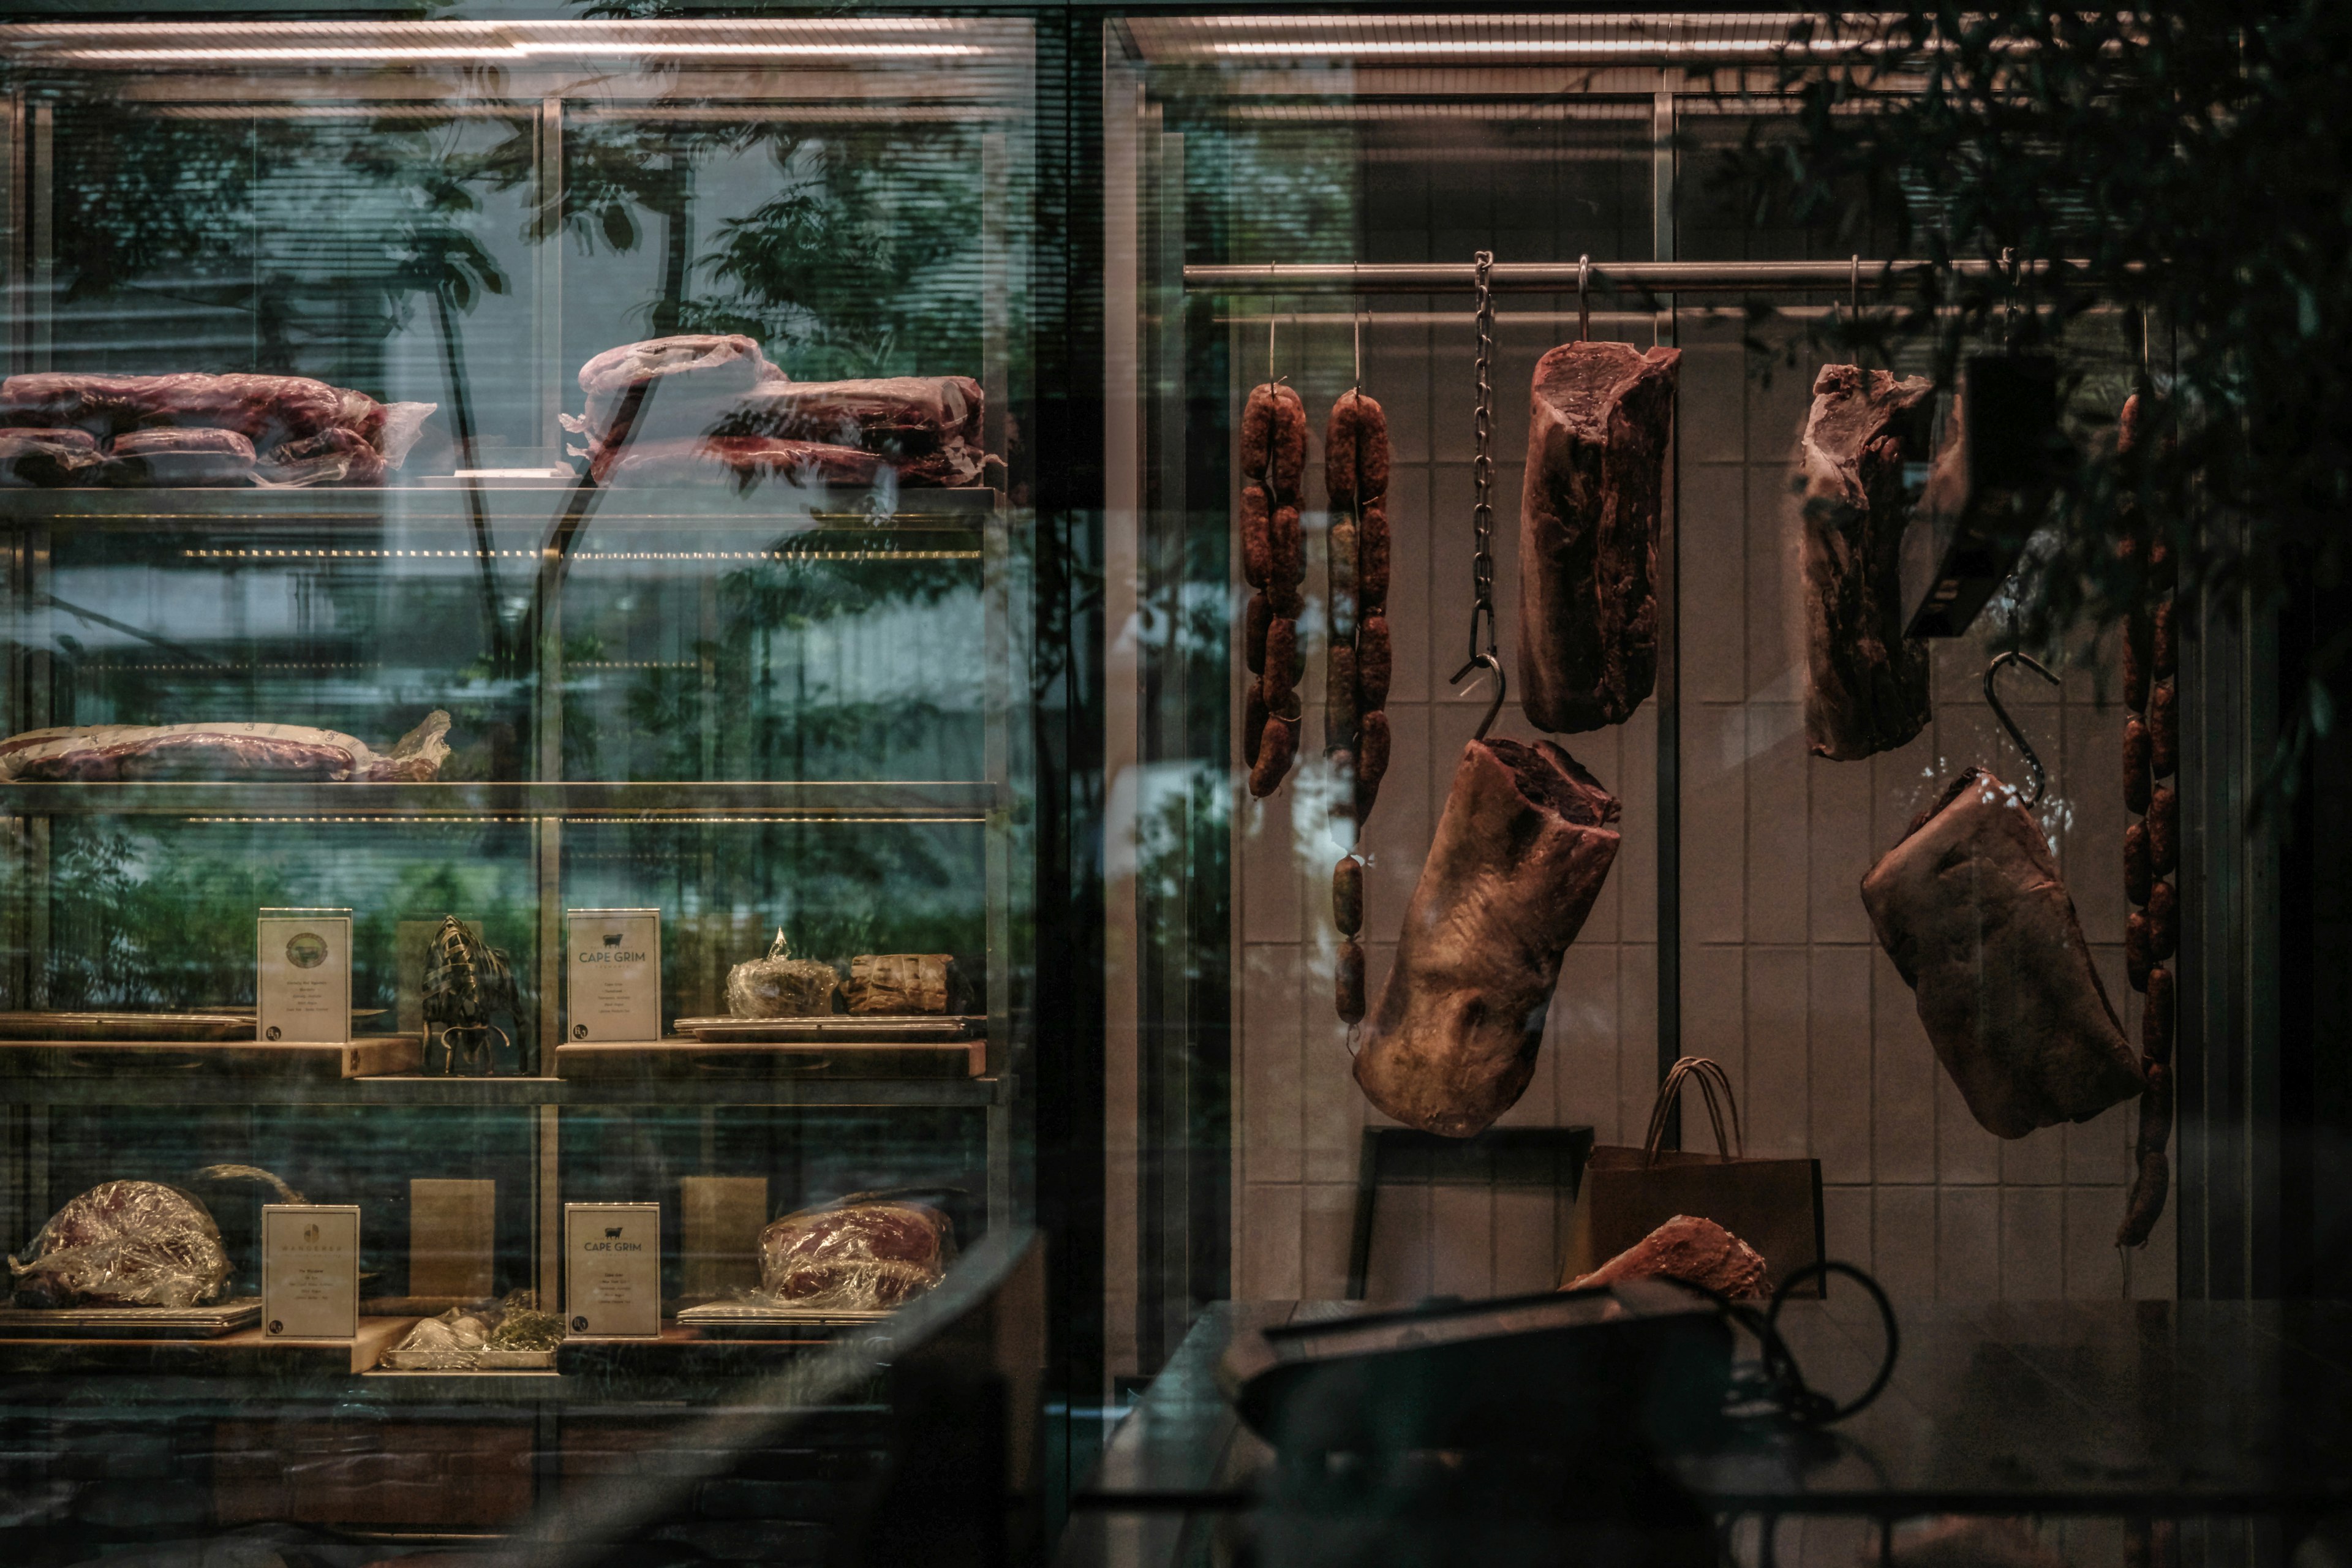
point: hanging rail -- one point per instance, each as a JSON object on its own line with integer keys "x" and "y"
{"x": 1558, "y": 277}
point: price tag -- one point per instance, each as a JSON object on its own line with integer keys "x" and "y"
{"x": 612, "y": 1277}
{"x": 303, "y": 977}
{"x": 311, "y": 1270}
{"x": 614, "y": 973}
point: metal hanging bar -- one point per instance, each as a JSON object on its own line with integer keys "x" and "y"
{"x": 1561, "y": 278}
{"x": 1482, "y": 519}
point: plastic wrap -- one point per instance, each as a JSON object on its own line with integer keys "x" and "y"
{"x": 856, "y": 1255}
{"x": 135, "y": 1244}
{"x": 460, "y": 1339}
{"x": 147, "y": 753}
{"x": 781, "y": 986}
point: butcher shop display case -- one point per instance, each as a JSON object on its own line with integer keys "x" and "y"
{"x": 518, "y": 753}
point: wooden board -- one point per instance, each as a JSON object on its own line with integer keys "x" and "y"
{"x": 129, "y": 1322}
{"x": 248, "y": 1353}
{"x": 777, "y": 1059}
{"x": 370, "y": 1057}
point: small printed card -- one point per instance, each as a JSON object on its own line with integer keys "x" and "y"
{"x": 611, "y": 1274}
{"x": 303, "y": 982}
{"x": 311, "y": 1270}
{"x": 613, "y": 971}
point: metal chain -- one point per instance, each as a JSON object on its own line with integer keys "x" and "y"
{"x": 1482, "y": 465}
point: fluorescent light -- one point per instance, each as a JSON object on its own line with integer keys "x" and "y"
{"x": 1500, "y": 46}
{"x": 519, "y": 52}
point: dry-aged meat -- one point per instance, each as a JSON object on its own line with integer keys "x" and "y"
{"x": 1348, "y": 895}
{"x": 1521, "y": 851}
{"x": 33, "y": 457}
{"x": 180, "y": 455}
{"x": 144, "y": 753}
{"x": 853, "y": 1256}
{"x": 330, "y": 457}
{"x": 1273, "y": 559}
{"x": 669, "y": 387}
{"x": 744, "y": 462}
{"x": 1867, "y": 687}
{"x": 137, "y": 1244}
{"x": 1970, "y": 909}
{"x": 1685, "y": 1248}
{"x": 1599, "y": 419}
{"x": 184, "y": 428}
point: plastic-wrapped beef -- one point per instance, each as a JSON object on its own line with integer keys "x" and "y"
{"x": 862, "y": 1254}
{"x": 111, "y": 754}
{"x": 269, "y": 411}
{"x": 743, "y": 461}
{"x": 180, "y": 455}
{"x": 780, "y": 985}
{"x": 1970, "y": 909}
{"x": 47, "y": 458}
{"x": 926, "y": 428}
{"x": 669, "y": 387}
{"x": 133, "y": 1244}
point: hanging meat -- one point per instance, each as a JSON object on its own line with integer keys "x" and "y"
{"x": 1274, "y": 561}
{"x": 1600, "y": 422}
{"x": 2151, "y": 754}
{"x": 1520, "y": 853}
{"x": 1356, "y": 685}
{"x": 1867, "y": 684}
{"x": 1970, "y": 909}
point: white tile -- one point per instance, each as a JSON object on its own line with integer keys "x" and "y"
{"x": 1272, "y": 908}
{"x": 1714, "y": 824}
{"x": 1581, "y": 1034}
{"x": 1635, "y": 876}
{"x": 1965, "y": 1151}
{"x": 1904, "y": 1071}
{"x": 2091, "y": 844}
{"x": 1776, "y": 1105}
{"x": 1420, "y": 638}
{"x": 2094, "y": 1270}
{"x": 1269, "y": 1263}
{"x": 1846, "y": 1223}
{"x": 1841, "y": 849}
{"x": 1903, "y": 1242}
{"x": 2038, "y": 1159}
{"x": 1461, "y": 1241}
{"x": 1838, "y": 1061}
{"x": 2033, "y": 1244}
{"x": 1399, "y": 1268}
{"x": 1328, "y": 1226}
{"x": 1775, "y": 604}
{"x": 1525, "y": 1241}
{"x": 1967, "y": 1243}
{"x": 1637, "y": 1037}
{"x": 1395, "y": 839}
{"x": 1715, "y": 1011}
{"x": 1331, "y": 1107}
{"x": 1271, "y": 1132}
{"x": 1712, "y": 632}
{"x": 1778, "y": 854}
{"x": 1711, "y": 396}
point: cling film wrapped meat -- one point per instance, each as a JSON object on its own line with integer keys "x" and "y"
{"x": 866, "y": 1252}
{"x": 135, "y": 1244}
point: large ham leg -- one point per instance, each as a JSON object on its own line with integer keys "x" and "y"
{"x": 1970, "y": 909}
{"x": 1867, "y": 689}
{"x": 1520, "y": 853}
{"x": 1599, "y": 418}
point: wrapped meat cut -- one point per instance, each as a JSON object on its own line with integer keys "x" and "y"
{"x": 172, "y": 455}
{"x": 330, "y": 457}
{"x": 742, "y": 461}
{"x": 781, "y": 986}
{"x": 145, "y": 753}
{"x": 1867, "y": 686}
{"x": 1599, "y": 420}
{"x": 1685, "y": 1248}
{"x": 865, "y": 1253}
{"x": 926, "y": 428}
{"x": 680, "y": 385}
{"x": 269, "y": 411}
{"x": 1970, "y": 909}
{"x": 138, "y": 1244}
{"x": 34, "y": 456}
{"x": 1520, "y": 853}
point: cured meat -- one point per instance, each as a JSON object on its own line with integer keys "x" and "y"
{"x": 1867, "y": 684}
{"x": 2136, "y": 769}
{"x": 1372, "y": 740}
{"x": 35, "y": 457}
{"x": 329, "y": 458}
{"x": 1339, "y": 718}
{"x": 146, "y": 752}
{"x": 1257, "y": 536}
{"x": 680, "y": 385}
{"x": 1356, "y": 452}
{"x": 1599, "y": 420}
{"x": 138, "y": 1244}
{"x": 2138, "y": 873}
{"x": 269, "y": 411}
{"x": 1372, "y": 664}
{"x": 1254, "y": 633}
{"x": 1970, "y": 909}
{"x": 745, "y": 462}
{"x": 1348, "y": 983}
{"x": 899, "y": 982}
{"x": 1520, "y": 853}
{"x": 1348, "y": 895}
{"x": 1277, "y": 747}
{"x": 1254, "y": 712}
{"x": 1274, "y": 559}
{"x": 1371, "y": 559}
{"x": 1688, "y": 1248}
{"x": 1281, "y": 677}
{"x": 856, "y": 1256}
{"x": 2163, "y": 831}
{"x": 173, "y": 456}
{"x": 2156, "y": 1018}
{"x": 2164, "y": 729}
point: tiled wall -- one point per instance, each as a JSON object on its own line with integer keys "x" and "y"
{"x": 1782, "y": 982}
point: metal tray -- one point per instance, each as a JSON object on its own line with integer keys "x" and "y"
{"x": 744, "y": 1320}
{"x": 129, "y": 1322}
{"x": 169, "y": 1028}
{"x": 844, "y": 1028}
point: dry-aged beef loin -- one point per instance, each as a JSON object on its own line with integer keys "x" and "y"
{"x": 1867, "y": 686}
{"x": 1599, "y": 420}
{"x": 123, "y": 1244}
{"x": 182, "y": 428}
{"x": 1685, "y": 1248}
{"x": 745, "y": 461}
{"x": 1970, "y": 909}
{"x": 35, "y": 457}
{"x": 1521, "y": 852}
{"x": 144, "y": 753}
{"x": 855, "y": 1256}
{"x": 679, "y": 384}
{"x": 180, "y": 455}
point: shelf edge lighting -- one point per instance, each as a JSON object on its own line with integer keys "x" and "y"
{"x": 515, "y": 52}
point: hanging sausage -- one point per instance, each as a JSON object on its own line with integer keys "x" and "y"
{"x": 2151, "y": 754}
{"x": 1355, "y": 686}
{"x": 1867, "y": 690}
{"x": 1600, "y": 420}
{"x": 1274, "y": 561}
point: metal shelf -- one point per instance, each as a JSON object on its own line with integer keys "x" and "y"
{"x": 213, "y": 509}
{"x": 474, "y": 1093}
{"x": 859, "y": 800}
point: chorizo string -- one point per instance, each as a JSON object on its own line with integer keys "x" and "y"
{"x": 1356, "y": 690}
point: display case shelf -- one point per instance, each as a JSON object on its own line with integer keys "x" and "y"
{"x": 217, "y": 508}
{"x": 854, "y": 800}
{"x": 26, "y": 1084}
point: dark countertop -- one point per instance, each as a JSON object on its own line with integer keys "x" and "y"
{"x": 2143, "y": 1408}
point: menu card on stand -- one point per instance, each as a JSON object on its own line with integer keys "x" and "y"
{"x": 303, "y": 977}
{"x": 614, "y": 974}
{"x": 311, "y": 1270}
{"x": 612, "y": 1274}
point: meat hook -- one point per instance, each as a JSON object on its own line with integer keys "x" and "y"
{"x": 1490, "y": 661}
{"x": 1583, "y": 308}
{"x": 1993, "y": 696}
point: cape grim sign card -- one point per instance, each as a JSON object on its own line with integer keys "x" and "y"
{"x": 311, "y": 1270}
{"x": 612, "y": 1276}
{"x": 612, "y": 973}
{"x": 303, "y": 978}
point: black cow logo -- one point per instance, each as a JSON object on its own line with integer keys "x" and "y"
{"x": 613, "y": 939}
{"x": 612, "y": 1233}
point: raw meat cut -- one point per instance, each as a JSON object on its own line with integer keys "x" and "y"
{"x": 35, "y": 457}
{"x": 855, "y": 1256}
{"x": 138, "y": 1244}
{"x": 182, "y": 456}
{"x": 1970, "y": 909}
{"x": 267, "y": 410}
{"x": 329, "y": 458}
{"x": 1685, "y": 1248}
{"x": 144, "y": 753}
{"x": 1601, "y": 417}
{"x": 1521, "y": 852}
{"x": 683, "y": 382}
{"x": 743, "y": 461}
{"x": 1867, "y": 687}
{"x": 899, "y": 982}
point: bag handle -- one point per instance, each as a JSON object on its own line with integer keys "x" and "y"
{"x": 1712, "y": 1080}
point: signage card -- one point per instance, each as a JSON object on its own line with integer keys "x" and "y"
{"x": 612, "y": 1276}
{"x": 311, "y": 1270}
{"x": 303, "y": 979}
{"x": 614, "y": 974}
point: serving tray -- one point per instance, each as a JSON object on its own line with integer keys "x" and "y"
{"x": 744, "y": 1320}
{"x": 129, "y": 1322}
{"x": 844, "y": 1028}
{"x": 151, "y": 1028}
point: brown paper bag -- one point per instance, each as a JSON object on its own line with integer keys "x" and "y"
{"x": 1773, "y": 1206}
